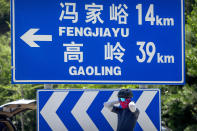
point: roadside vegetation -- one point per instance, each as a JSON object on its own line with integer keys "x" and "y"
{"x": 179, "y": 103}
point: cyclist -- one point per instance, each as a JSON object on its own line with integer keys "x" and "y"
{"x": 127, "y": 111}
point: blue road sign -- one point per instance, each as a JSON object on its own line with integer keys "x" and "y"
{"x": 78, "y": 110}
{"x": 94, "y": 41}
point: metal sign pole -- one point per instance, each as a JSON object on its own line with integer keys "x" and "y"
{"x": 48, "y": 86}
{"x": 143, "y": 86}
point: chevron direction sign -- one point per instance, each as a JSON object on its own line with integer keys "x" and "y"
{"x": 78, "y": 110}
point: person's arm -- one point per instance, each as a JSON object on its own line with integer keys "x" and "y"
{"x": 109, "y": 105}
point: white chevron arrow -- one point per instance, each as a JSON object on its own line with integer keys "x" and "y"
{"x": 49, "y": 111}
{"x": 142, "y": 104}
{"x": 112, "y": 118}
{"x": 29, "y": 37}
{"x": 79, "y": 111}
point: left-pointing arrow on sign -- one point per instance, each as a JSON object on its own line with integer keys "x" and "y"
{"x": 29, "y": 37}
{"x": 49, "y": 110}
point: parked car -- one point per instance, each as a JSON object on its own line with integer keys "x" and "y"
{"x": 8, "y": 110}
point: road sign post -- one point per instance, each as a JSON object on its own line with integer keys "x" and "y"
{"x": 84, "y": 110}
{"x": 113, "y": 42}
{"x": 48, "y": 86}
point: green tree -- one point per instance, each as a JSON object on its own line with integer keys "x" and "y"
{"x": 5, "y": 59}
{"x": 179, "y": 103}
{"x": 4, "y": 15}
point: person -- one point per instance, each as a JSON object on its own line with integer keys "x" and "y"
{"x": 127, "y": 111}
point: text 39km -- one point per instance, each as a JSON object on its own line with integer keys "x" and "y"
{"x": 93, "y": 41}
{"x": 150, "y": 51}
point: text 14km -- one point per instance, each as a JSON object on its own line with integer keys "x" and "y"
{"x": 150, "y": 17}
{"x": 148, "y": 53}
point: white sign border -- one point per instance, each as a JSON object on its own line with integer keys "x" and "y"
{"x": 63, "y": 90}
{"x": 93, "y": 81}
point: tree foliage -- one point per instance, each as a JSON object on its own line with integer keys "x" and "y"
{"x": 5, "y": 59}
{"x": 4, "y": 15}
{"x": 179, "y": 103}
